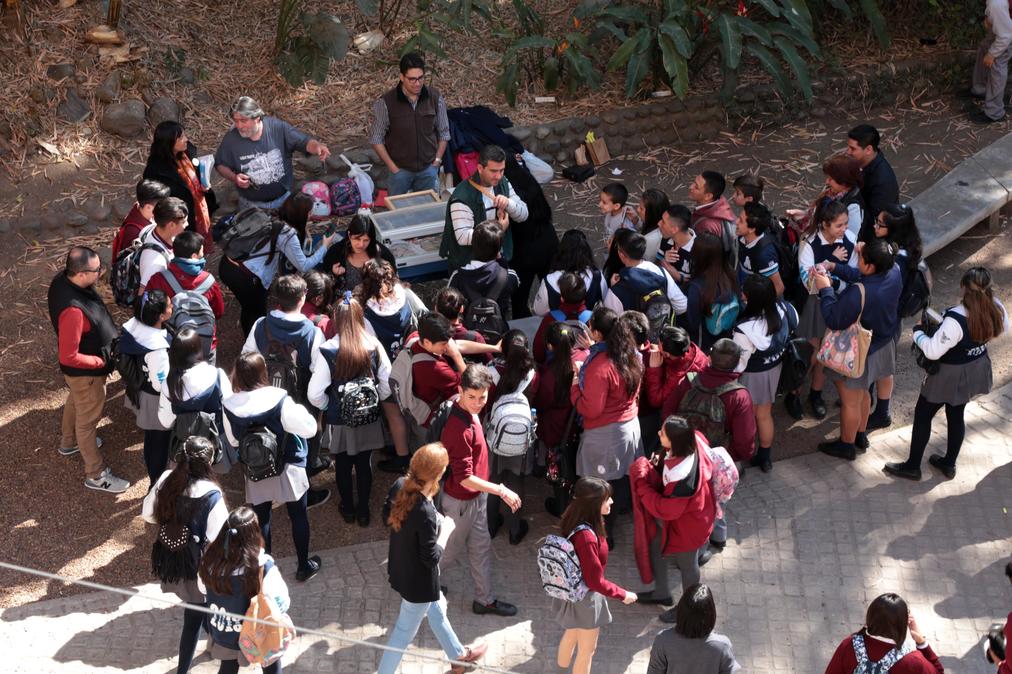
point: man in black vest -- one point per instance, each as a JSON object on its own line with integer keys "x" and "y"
{"x": 410, "y": 130}
{"x": 84, "y": 332}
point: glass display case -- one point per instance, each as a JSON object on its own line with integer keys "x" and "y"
{"x": 413, "y": 235}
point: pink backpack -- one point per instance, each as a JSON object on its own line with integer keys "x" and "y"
{"x": 321, "y": 199}
{"x": 345, "y": 198}
{"x": 725, "y": 473}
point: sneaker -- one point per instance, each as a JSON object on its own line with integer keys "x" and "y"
{"x": 792, "y": 402}
{"x": 705, "y": 556}
{"x": 312, "y": 568}
{"x": 107, "y": 482}
{"x": 363, "y": 520}
{"x": 317, "y": 497}
{"x": 818, "y": 406}
{"x": 495, "y": 608}
{"x": 71, "y": 451}
{"x": 649, "y": 598}
{"x": 902, "y": 470}
{"x": 938, "y": 463}
{"x": 979, "y": 117}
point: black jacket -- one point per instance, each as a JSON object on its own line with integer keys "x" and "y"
{"x": 878, "y": 190}
{"x": 167, "y": 174}
{"x": 413, "y": 556}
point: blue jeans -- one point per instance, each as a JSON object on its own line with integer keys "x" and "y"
{"x": 265, "y": 205}
{"x": 408, "y": 622}
{"x": 719, "y": 533}
{"x": 405, "y": 181}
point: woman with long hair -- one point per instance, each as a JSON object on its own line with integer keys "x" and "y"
{"x": 575, "y": 256}
{"x": 959, "y": 347}
{"x": 346, "y": 259}
{"x": 764, "y": 329}
{"x": 583, "y": 525}
{"x": 257, "y": 407}
{"x": 351, "y": 356}
{"x": 883, "y": 641}
{"x": 144, "y": 339}
{"x": 714, "y": 282}
{"x": 418, "y": 536}
{"x": 187, "y": 494}
{"x": 170, "y": 162}
{"x": 872, "y": 298}
{"x": 230, "y": 573}
{"x": 249, "y": 278}
{"x": 605, "y": 392}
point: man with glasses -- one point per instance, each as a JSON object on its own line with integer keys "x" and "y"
{"x": 410, "y": 130}
{"x": 84, "y": 332}
{"x": 256, "y": 154}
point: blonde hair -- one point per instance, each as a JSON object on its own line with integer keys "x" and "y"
{"x": 427, "y": 465}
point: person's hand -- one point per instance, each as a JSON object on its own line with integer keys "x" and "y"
{"x": 614, "y": 279}
{"x": 992, "y": 657}
{"x": 988, "y": 60}
{"x": 795, "y": 213}
{"x": 630, "y": 598}
{"x": 655, "y": 357}
{"x": 503, "y": 218}
{"x": 242, "y": 181}
{"x": 829, "y": 265}
{"x": 452, "y": 350}
{"x": 447, "y": 524}
{"x": 915, "y": 632}
{"x": 329, "y": 239}
{"x": 501, "y": 201}
{"x": 671, "y": 256}
{"x": 582, "y": 340}
{"x": 337, "y": 269}
{"x": 840, "y": 253}
{"x": 509, "y": 498}
{"x": 394, "y": 168}
{"x": 322, "y": 151}
{"x": 498, "y": 346}
{"x": 632, "y": 214}
{"x": 822, "y": 281}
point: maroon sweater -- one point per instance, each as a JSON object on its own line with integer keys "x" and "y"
{"x": 592, "y": 552}
{"x": 921, "y": 661}
{"x": 739, "y": 414}
{"x": 572, "y": 312}
{"x": 660, "y": 382}
{"x": 432, "y": 380}
{"x": 465, "y": 443}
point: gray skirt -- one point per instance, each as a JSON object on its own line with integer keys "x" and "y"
{"x": 608, "y": 451}
{"x": 284, "y": 488}
{"x": 881, "y": 363}
{"x": 589, "y": 613}
{"x": 958, "y": 384}
{"x": 147, "y": 412}
{"x": 762, "y": 386}
{"x": 352, "y": 441}
{"x": 811, "y": 325}
{"x": 186, "y": 590}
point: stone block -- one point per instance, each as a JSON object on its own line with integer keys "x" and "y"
{"x": 577, "y": 125}
{"x": 542, "y": 132}
{"x": 592, "y": 121}
{"x": 610, "y": 117}
{"x": 108, "y": 91}
{"x": 52, "y": 220}
{"x": 73, "y": 109}
{"x": 551, "y": 145}
{"x": 98, "y": 211}
{"x": 521, "y": 133}
{"x": 561, "y": 157}
{"x": 127, "y": 119}
{"x": 628, "y": 114}
{"x": 61, "y": 71}
{"x": 75, "y": 219}
{"x": 164, "y": 109}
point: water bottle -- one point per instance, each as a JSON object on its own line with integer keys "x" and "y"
{"x": 534, "y": 417}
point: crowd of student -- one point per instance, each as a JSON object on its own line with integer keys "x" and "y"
{"x": 648, "y": 385}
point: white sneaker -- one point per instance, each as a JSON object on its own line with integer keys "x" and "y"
{"x": 107, "y": 482}
{"x": 71, "y": 451}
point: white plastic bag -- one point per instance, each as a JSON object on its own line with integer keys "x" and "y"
{"x": 366, "y": 186}
{"x": 542, "y": 171}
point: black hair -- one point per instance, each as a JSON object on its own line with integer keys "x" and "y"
{"x": 617, "y": 192}
{"x": 725, "y": 354}
{"x": 150, "y": 307}
{"x": 589, "y": 496}
{"x": 491, "y": 153}
{"x": 603, "y": 320}
{"x": 164, "y": 141}
{"x": 562, "y": 338}
{"x": 574, "y": 253}
{"x": 294, "y": 212}
{"x": 674, "y": 340}
{"x": 319, "y": 289}
{"x": 450, "y": 302}
{"x": 681, "y": 215}
{"x": 655, "y": 202}
{"x": 1008, "y": 571}
{"x": 288, "y": 291}
{"x": 170, "y": 209}
{"x": 187, "y": 244}
{"x": 411, "y": 60}
{"x": 185, "y": 351}
{"x": 715, "y": 183}
{"x": 638, "y": 325}
{"x": 358, "y": 226}
{"x": 696, "y": 612}
{"x": 824, "y": 213}
{"x": 79, "y": 259}
{"x": 624, "y": 355}
{"x": 996, "y": 641}
{"x": 880, "y": 254}
{"x": 681, "y": 435}
{"x": 761, "y": 302}
{"x": 887, "y": 617}
{"x": 712, "y": 270}
{"x": 751, "y": 186}
{"x": 379, "y": 278}
{"x": 476, "y": 378}
{"x": 634, "y": 245}
{"x": 757, "y": 217}
{"x": 151, "y": 191}
{"x": 865, "y": 135}
{"x": 434, "y": 327}
{"x": 902, "y": 225}
{"x": 572, "y": 289}
{"x": 486, "y": 241}
{"x": 193, "y": 462}
{"x": 517, "y": 361}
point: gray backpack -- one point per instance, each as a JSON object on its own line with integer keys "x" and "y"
{"x": 190, "y": 309}
{"x": 865, "y": 666}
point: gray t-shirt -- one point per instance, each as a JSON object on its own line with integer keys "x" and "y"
{"x": 674, "y": 654}
{"x": 267, "y": 161}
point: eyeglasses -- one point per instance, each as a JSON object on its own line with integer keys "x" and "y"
{"x": 415, "y": 80}
{"x": 97, "y": 270}
{"x": 878, "y": 224}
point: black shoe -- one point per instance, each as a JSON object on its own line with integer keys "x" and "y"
{"x": 876, "y": 422}
{"x": 719, "y": 547}
{"x": 494, "y": 526}
{"x": 861, "y": 442}
{"x": 495, "y": 608}
{"x": 705, "y": 556}
{"x": 838, "y": 449}
{"x": 978, "y": 117}
{"x": 765, "y": 465}
{"x": 348, "y": 515}
{"x": 902, "y": 470}
{"x": 539, "y": 471}
{"x": 552, "y": 507}
{"x": 792, "y": 403}
{"x": 397, "y": 465}
{"x": 312, "y": 567}
{"x": 524, "y": 528}
{"x": 649, "y": 598}
{"x": 363, "y": 520}
{"x": 970, "y": 93}
{"x": 317, "y": 497}
{"x": 938, "y": 461}
{"x": 818, "y": 406}
{"x": 669, "y": 616}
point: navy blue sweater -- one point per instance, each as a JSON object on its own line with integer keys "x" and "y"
{"x": 881, "y": 303}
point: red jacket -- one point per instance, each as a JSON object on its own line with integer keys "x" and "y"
{"x": 322, "y": 321}
{"x": 432, "y": 380}
{"x": 739, "y": 415}
{"x": 592, "y": 552}
{"x": 465, "y": 443}
{"x": 921, "y": 661}
{"x": 688, "y": 520}
{"x": 603, "y": 399}
{"x": 188, "y": 282}
{"x": 709, "y": 219}
{"x": 462, "y": 333}
{"x": 572, "y": 312}
{"x": 552, "y": 413}
{"x": 131, "y": 228}
{"x": 1006, "y": 665}
{"x": 660, "y": 382}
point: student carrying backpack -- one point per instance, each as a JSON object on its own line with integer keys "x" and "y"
{"x": 483, "y": 313}
{"x": 125, "y": 275}
{"x": 191, "y": 309}
{"x": 247, "y": 231}
{"x": 486, "y": 284}
{"x": 704, "y": 410}
{"x": 561, "y": 577}
{"x": 510, "y": 427}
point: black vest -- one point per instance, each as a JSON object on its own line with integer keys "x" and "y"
{"x": 62, "y": 295}
{"x": 967, "y": 350}
{"x": 411, "y": 138}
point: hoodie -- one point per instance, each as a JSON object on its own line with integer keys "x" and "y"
{"x": 709, "y": 218}
{"x": 572, "y": 313}
{"x": 391, "y": 319}
{"x": 739, "y": 415}
{"x": 661, "y": 381}
{"x": 477, "y": 279}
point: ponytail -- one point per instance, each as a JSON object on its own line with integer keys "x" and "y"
{"x": 983, "y": 316}
{"x": 193, "y": 462}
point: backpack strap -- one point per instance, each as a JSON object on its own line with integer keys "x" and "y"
{"x": 584, "y": 316}
{"x": 558, "y": 315}
{"x": 204, "y": 285}
{"x": 860, "y": 652}
{"x": 501, "y": 279}
{"x": 583, "y": 526}
{"x": 171, "y": 279}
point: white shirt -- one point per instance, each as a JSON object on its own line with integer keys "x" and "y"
{"x": 806, "y": 254}
{"x": 156, "y": 361}
{"x": 678, "y": 300}
{"x": 950, "y": 333}
{"x": 1001, "y": 25}
{"x": 152, "y": 261}
{"x": 541, "y": 305}
{"x": 295, "y": 418}
{"x": 196, "y": 380}
{"x": 653, "y": 244}
{"x": 250, "y": 346}
{"x": 462, "y": 216}
{"x": 321, "y": 379}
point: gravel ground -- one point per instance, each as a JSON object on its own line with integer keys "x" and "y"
{"x": 57, "y": 525}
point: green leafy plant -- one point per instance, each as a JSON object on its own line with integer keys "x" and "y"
{"x": 436, "y": 17}
{"x": 305, "y": 44}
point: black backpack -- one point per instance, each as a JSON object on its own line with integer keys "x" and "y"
{"x": 360, "y": 402}
{"x": 656, "y": 306}
{"x": 202, "y": 424}
{"x": 483, "y": 313}
{"x": 282, "y": 365}
{"x": 916, "y": 294}
{"x": 260, "y": 452}
{"x": 190, "y": 309}
{"x": 249, "y": 230}
{"x": 797, "y": 360}
{"x": 175, "y": 554}
{"x": 437, "y": 423}
{"x": 131, "y": 370}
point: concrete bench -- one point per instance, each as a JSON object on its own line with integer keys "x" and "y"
{"x": 974, "y": 191}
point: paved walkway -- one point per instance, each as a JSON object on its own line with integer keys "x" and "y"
{"x": 812, "y": 543}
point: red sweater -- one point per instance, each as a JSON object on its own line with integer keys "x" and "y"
{"x": 322, "y": 321}
{"x": 921, "y": 661}
{"x": 131, "y": 228}
{"x": 739, "y": 415}
{"x": 552, "y": 413}
{"x": 660, "y": 382}
{"x": 462, "y": 333}
{"x": 604, "y": 399}
{"x": 709, "y": 219}
{"x": 433, "y": 380}
{"x": 1006, "y": 665}
{"x": 189, "y": 282}
{"x": 572, "y": 312}
{"x": 72, "y": 324}
{"x": 465, "y": 443}
{"x": 592, "y": 552}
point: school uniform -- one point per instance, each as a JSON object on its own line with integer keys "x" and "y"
{"x": 693, "y": 320}
{"x": 634, "y": 283}
{"x": 566, "y": 312}
{"x": 919, "y": 660}
{"x": 204, "y": 388}
{"x": 592, "y": 611}
{"x": 673, "y": 653}
{"x": 653, "y": 239}
{"x": 288, "y": 329}
{"x": 478, "y": 280}
{"x": 684, "y": 263}
{"x": 549, "y": 298}
{"x": 762, "y": 354}
{"x": 153, "y": 260}
{"x": 814, "y": 250}
{"x": 392, "y": 319}
{"x": 758, "y": 256}
{"x": 152, "y": 347}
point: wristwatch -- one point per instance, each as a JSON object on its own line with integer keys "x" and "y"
{"x": 437, "y": 161}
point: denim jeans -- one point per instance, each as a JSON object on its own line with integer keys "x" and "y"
{"x": 265, "y": 205}
{"x": 405, "y": 181}
{"x": 408, "y": 622}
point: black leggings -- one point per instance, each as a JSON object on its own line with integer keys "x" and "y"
{"x": 192, "y": 621}
{"x": 514, "y": 483}
{"x": 156, "y": 454}
{"x": 300, "y": 527}
{"x": 361, "y": 464}
{"x": 924, "y": 412}
{"x": 248, "y": 291}
{"x": 232, "y": 667}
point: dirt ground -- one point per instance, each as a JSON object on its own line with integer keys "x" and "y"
{"x": 54, "y": 523}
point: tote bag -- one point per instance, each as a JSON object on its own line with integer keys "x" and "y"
{"x": 846, "y": 351}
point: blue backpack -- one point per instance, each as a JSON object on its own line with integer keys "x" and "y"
{"x": 723, "y": 316}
